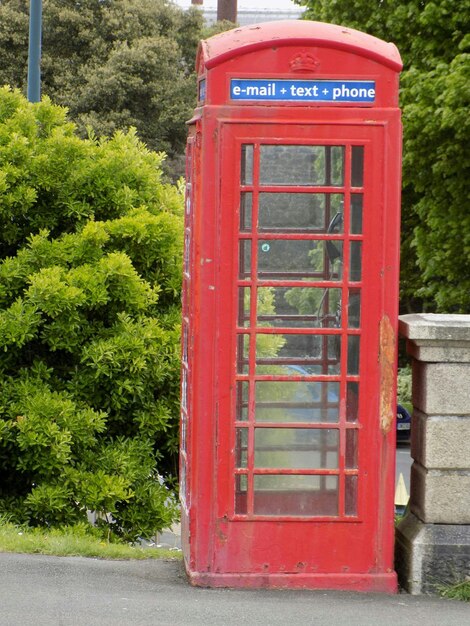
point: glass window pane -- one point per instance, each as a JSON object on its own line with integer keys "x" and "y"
{"x": 243, "y": 348}
{"x": 292, "y": 165}
{"x": 245, "y": 259}
{"x": 335, "y": 165}
{"x": 354, "y": 308}
{"x": 298, "y": 211}
{"x": 247, "y": 164}
{"x": 351, "y": 448}
{"x": 357, "y": 166}
{"x": 353, "y": 355}
{"x": 350, "y": 504}
{"x": 302, "y": 165}
{"x": 241, "y": 448}
{"x": 297, "y": 401}
{"x": 297, "y": 355}
{"x": 297, "y": 348}
{"x": 298, "y": 307}
{"x": 246, "y": 210}
{"x": 244, "y": 297}
{"x": 356, "y": 213}
{"x": 285, "y": 259}
{"x": 296, "y": 495}
{"x": 296, "y": 448}
{"x": 241, "y": 487}
{"x": 242, "y": 401}
{"x": 355, "y": 272}
{"x": 352, "y": 402}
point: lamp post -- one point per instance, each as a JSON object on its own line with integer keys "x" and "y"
{"x": 34, "y": 53}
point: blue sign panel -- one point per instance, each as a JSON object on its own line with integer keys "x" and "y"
{"x": 302, "y": 90}
{"x": 202, "y": 90}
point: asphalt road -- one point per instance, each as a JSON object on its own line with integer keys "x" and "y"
{"x": 38, "y": 590}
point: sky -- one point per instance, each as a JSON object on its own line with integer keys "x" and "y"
{"x": 247, "y": 4}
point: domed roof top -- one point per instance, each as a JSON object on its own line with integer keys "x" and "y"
{"x": 232, "y": 43}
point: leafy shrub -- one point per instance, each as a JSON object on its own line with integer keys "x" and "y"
{"x": 90, "y": 251}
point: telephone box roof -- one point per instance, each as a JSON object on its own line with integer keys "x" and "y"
{"x": 233, "y": 43}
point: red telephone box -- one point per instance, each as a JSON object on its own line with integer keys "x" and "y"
{"x": 290, "y": 310}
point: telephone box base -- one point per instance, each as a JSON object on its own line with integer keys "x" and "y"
{"x": 376, "y": 583}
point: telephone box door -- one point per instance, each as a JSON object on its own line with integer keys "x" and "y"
{"x": 303, "y": 462}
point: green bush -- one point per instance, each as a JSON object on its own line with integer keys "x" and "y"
{"x": 90, "y": 258}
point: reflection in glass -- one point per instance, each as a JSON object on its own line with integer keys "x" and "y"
{"x": 354, "y": 309}
{"x": 357, "y": 166}
{"x": 243, "y": 347}
{"x": 299, "y": 351}
{"x": 244, "y": 297}
{"x": 352, "y": 402}
{"x": 247, "y": 164}
{"x": 296, "y": 495}
{"x": 356, "y": 213}
{"x": 297, "y": 307}
{"x": 353, "y": 355}
{"x": 351, "y": 448}
{"x": 301, "y": 165}
{"x": 241, "y": 447}
{"x": 246, "y": 210}
{"x": 297, "y": 355}
{"x": 335, "y": 165}
{"x": 245, "y": 259}
{"x": 298, "y": 211}
{"x": 241, "y": 487}
{"x": 296, "y": 448}
{"x": 242, "y": 401}
{"x": 355, "y": 272}
{"x": 297, "y": 401}
{"x": 350, "y": 504}
{"x": 285, "y": 259}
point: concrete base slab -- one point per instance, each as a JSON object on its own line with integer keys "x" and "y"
{"x": 428, "y": 556}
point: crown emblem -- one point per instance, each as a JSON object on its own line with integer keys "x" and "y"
{"x": 304, "y": 62}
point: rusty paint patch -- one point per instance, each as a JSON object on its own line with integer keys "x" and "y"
{"x": 387, "y": 374}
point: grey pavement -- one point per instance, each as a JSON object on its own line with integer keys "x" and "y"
{"x": 61, "y": 591}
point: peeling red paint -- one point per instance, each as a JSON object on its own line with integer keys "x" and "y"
{"x": 387, "y": 374}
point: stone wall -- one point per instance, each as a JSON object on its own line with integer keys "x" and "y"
{"x": 433, "y": 540}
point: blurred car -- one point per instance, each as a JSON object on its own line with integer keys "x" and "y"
{"x": 403, "y": 424}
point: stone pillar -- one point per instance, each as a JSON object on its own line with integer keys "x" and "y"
{"x": 433, "y": 540}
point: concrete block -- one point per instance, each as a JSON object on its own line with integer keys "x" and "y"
{"x": 441, "y": 388}
{"x": 440, "y": 496}
{"x": 440, "y": 442}
{"x": 428, "y": 556}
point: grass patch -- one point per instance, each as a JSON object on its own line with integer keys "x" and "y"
{"x": 73, "y": 541}
{"x": 458, "y": 591}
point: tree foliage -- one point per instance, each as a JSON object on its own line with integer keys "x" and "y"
{"x": 433, "y": 38}
{"x": 113, "y": 63}
{"x": 90, "y": 256}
